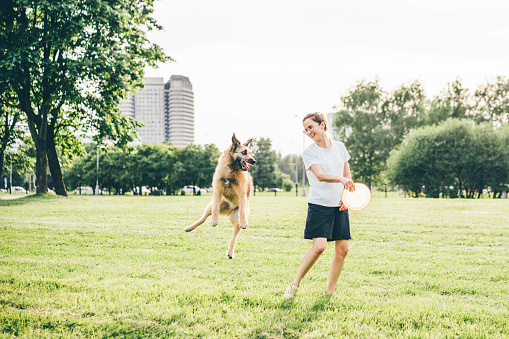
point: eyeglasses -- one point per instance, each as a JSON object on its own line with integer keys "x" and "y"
{"x": 310, "y": 128}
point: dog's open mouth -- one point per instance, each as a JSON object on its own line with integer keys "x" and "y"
{"x": 244, "y": 165}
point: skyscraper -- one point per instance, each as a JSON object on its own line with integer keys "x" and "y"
{"x": 166, "y": 110}
{"x": 180, "y": 100}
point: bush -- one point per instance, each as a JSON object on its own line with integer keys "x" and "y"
{"x": 449, "y": 159}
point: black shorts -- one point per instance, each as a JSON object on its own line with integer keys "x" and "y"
{"x": 327, "y": 222}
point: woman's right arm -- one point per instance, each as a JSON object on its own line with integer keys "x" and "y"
{"x": 322, "y": 176}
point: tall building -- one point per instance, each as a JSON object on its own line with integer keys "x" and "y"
{"x": 166, "y": 110}
{"x": 180, "y": 123}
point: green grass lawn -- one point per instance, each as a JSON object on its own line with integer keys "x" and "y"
{"x": 111, "y": 266}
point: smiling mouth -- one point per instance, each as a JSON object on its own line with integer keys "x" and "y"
{"x": 244, "y": 165}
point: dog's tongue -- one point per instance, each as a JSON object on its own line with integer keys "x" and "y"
{"x": 247, "y": 166}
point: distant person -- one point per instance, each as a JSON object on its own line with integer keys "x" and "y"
{"x": 328, "y": 173}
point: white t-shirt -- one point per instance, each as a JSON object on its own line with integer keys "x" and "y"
{"x": 332, "y": 161}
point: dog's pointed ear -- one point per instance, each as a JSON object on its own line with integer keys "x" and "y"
{"x": 248, "y": 142}
{"x": 235, "y": 142}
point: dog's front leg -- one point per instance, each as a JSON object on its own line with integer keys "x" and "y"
{"x": 216, "y": 202}
{"x": 243, "y": 211}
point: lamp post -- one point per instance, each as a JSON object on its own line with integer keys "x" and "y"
{"x": 303, "y": 167}
{"x": 296, "y": 175}
{"x": 10, "y": 180}
{"x": 97, "y": 178}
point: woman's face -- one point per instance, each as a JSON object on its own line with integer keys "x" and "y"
{"x": 313, "y": 129}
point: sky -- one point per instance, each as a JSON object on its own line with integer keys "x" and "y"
{"x": 258, "y": 67}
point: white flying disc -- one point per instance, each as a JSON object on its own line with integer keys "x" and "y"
{"x": 358, "y": 199}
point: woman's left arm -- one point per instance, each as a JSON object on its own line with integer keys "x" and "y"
{"x": 346, "y": 171}
{"x": 346, "y": 174}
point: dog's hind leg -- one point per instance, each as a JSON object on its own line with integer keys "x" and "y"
{"x": 234, "y": 218}
{"x": 204, "y": 217}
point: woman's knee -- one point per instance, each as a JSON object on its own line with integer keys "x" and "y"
{"x": 342, "y": 249}
{"x": 319, "y": 248}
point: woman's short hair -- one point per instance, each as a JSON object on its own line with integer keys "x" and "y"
{"x": 316, "y": 117}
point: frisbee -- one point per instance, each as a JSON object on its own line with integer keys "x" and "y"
{"x": 358, "y": 199}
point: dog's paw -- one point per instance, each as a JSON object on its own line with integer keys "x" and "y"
{"x": 188, "y": 229}
{"x": 214, "y": 221}
{"x": 243, "y": 225}
{"x": 230, "y": 255}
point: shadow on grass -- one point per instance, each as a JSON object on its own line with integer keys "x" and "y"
{"x": 25, "y": 324}
{"x": 289, "y": 321}
{"x": 321, "y": 303}
{"x": 28, "y": 199}
{"x": 287, "y": 304}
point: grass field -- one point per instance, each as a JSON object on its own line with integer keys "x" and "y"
{"x": 112, "y": 266}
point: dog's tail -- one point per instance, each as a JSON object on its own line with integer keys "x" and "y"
{"x": 206, "y": 214}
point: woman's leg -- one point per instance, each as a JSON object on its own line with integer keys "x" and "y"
{"x": 309, "y": 259}
{"x": 336, "y": 266}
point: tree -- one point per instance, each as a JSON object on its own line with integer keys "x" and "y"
{"x": 501, "y": 180}
{"x": 429, "y": 159}
{"x": 70, "y": 63}
{"x": 153, "y": 164}
{"x": 208, "y": 163}
{"x": 189, "y": 171}
{"x": 404, "y": 110}
{"x": 363, "y": 129}
{"x": 264, "y": 172}
{"x": 492, "y": 102}
{"x": 486, "y": 162}
{"x": 452, "y": 102}
{"x": 82, "y": 171}
{"x": 450, "y": 158}
{"x": 286, "y": 165}
{"x": 283, "y": 181}
{"x": 10, "y": 117}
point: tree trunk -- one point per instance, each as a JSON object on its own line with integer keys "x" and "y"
{"x": 1, "y": 164}
{"x": 41, "y": 167}
{"x": 54, "y": 164}
{"x": 37, "y": 125}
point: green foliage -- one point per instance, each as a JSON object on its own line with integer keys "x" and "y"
{"x": 404, "y": 110}
{"x": 285, "y": 182}
{"x": 372, "y": 122}
{"x": 70, "y": 63}
{"x": 286, "y": 165}
{"x": 454, "y": 156}
{"x": 452, "y": 102}
{"x": 362, "y": 128}
{"x": 189, "y": 168}
{"x": 492, "y": 101}
{"x": 264, "y": 172}
{"x": 10, "y": 119}
{"x": 208, "y": 162}
{"x": 154, "y": 165}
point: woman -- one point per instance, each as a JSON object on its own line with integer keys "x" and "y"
{"x": 328, "y": 174}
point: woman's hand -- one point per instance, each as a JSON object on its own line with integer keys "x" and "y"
{"x": 348, "y": 183}
{"x": 342, "y": 206}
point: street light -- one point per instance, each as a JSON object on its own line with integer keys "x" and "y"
{"x": 10, "y": 181}
{"x": 97, "y": 177}
{"x": 303, "y": 166}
